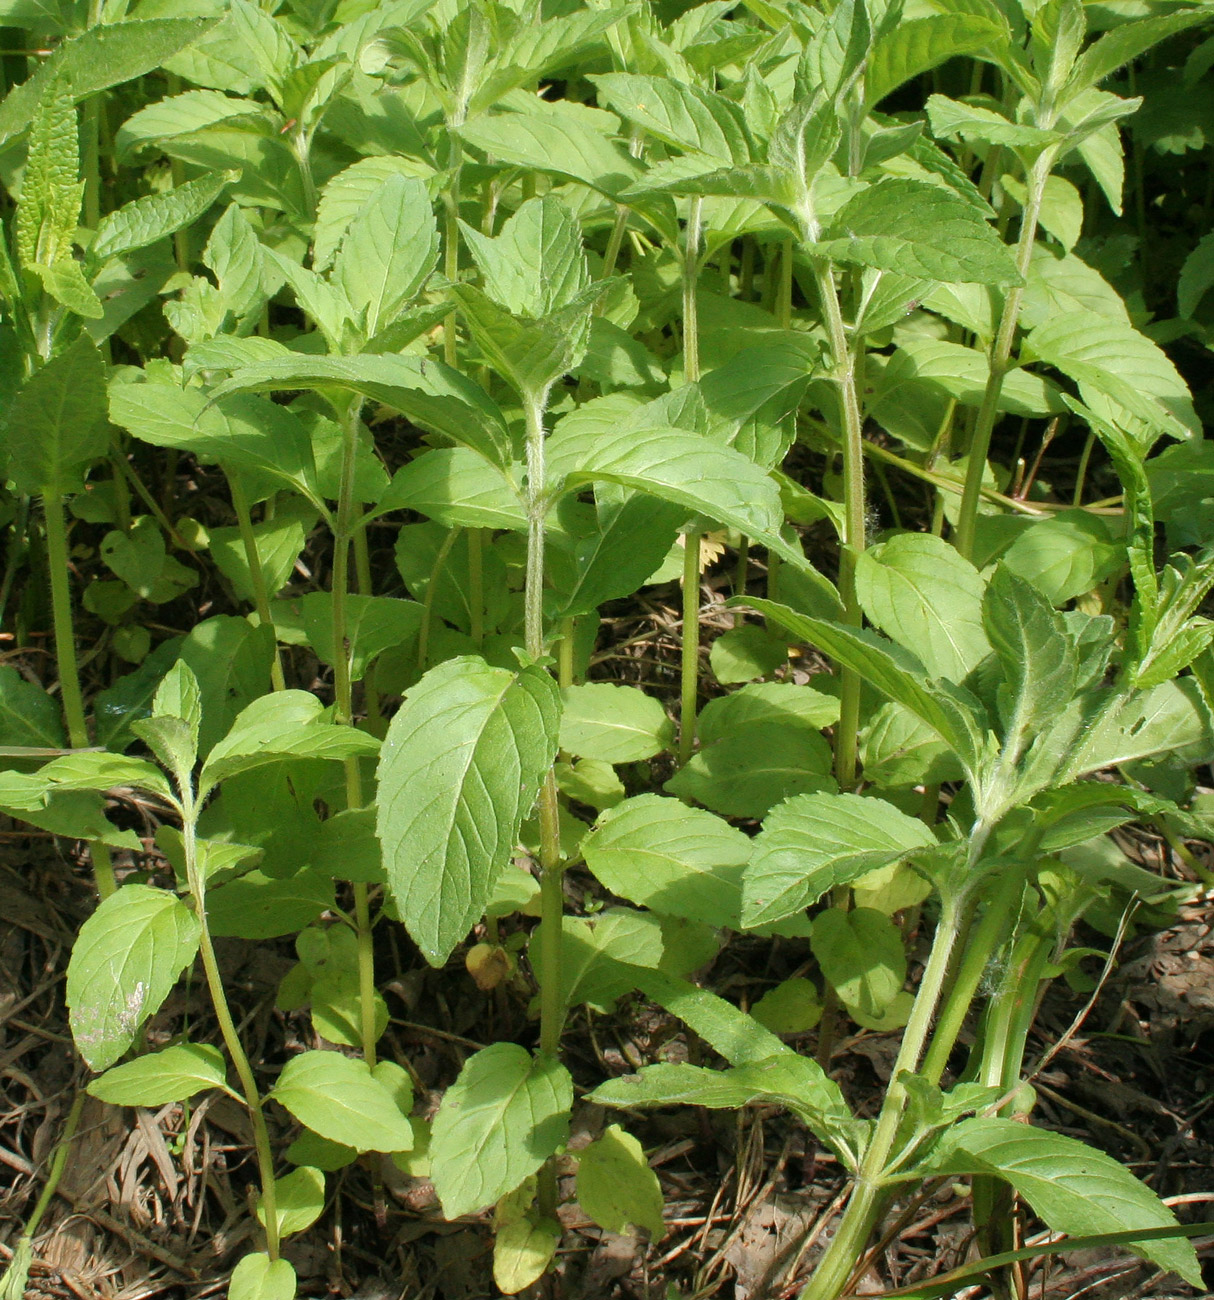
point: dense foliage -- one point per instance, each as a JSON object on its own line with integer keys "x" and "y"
{"x": 411, "y": 335}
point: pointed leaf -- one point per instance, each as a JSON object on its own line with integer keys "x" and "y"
{"x": 615, "y": 1185}
{"x": 172, "y": 1074}
{"x": 145, "y": 220}
{"x": 339, "y": 1098}
{"x": 459, "y": 770}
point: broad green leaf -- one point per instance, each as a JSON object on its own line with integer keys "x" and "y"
{"x": 531, "y": 354}
{"x": 916, "y": 228}
{"x": 744, "y": 772}
{"x": 618, "y": 724}
{"x": 762, "y": 704}
{"x": 862, "y": 956}
{"x": 915, "y": 45}
{"x": 389, "y": 249}
{"x": 744, "y": 653}
{"x": 597, "y": 951}
{"x": 258, "y": 1277}
{"x": 172, "y": 1074}
{"x": 975, "y": 124}
{"x": 676, "y": 860}
{"x": 814, "y": 842}
{"x": 1074, "y": 1188}
{"x": 565, "y": 138}
{"x": 258, "y": 906}
{"x": 616, "y": 1187}
{"x": 458, "y": 487}
{"x": 522, "y": 1249}
{"x": 896, "y": 673}
{"x": 1037, "y": 655}
{"x": 29, "y": 717}
{"x": 1115, "y": 48}
{"x": 75, "y": 814}
{"x": 154, "y": 216}
{"x": 238, "y": 259}
{"x": 339, "y": 1098}
{"x": 183, "y": 115}
{"x": 685, "y": 116}
{"x": 299, "y": 1199}
{"x": 899, "y": 749}
{"x": 791, "y": 1007}
{"x": 278, "y": 727}
{"x": 278, "y": 541}
{"x": 795, "y": 1082}
{"x": 1066, "y": 555}
{"x": 231, "y": 658}
{"x": 102, "y": 56}
{"x": 51, "y": 191}
{"x": 498, "y": 1122}
{"x": 373, "y": 624}
{"x": 1172, "y": 719}
{"x": 458, "y": 772}
{"x": 89, "y": 770}
{"x": 348, "y": 193}
{"x": 1196, "y": 276}
{"x": 125, "y": 962}
{"x": 56, "y": 423}
{"x": 535, "y": 266}
{"x": 422, "y": 390}
{"x": 1117, "y": 369}
{"x": 920, "y": 592}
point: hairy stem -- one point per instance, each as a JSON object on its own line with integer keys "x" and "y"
{"x": 68, "y": 666}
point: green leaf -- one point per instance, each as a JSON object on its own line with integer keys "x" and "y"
{"x": 1075, "y": 1189}
{"x": 615, "y": 1185}
{"x": 916, "y": 228}
{"x": 389, "y": 249}
{"x": 348, "y": 193}
{"x": 920, "y": 592}
{"x": 1196, "y": 276}
{"x": 1066, "y": 555}
{"x": 676, "y": 860}
{"x": 794, "y": 1082}
{"x": 913, "y": 46}
{"x": 1118, "y": 370}
{"x": 278, "y": 727}
{"x": 536, "y": 265}
{"x": 1124, "y": 43}
{"x": 231, "y": 658}
{"x": 1172, "y": 719}
{"x": 51, "y": 189}
{"x": 685, "y": 116}
{"x": 258, "y": 906}
{"x": 814, "y": 842}
{"x": 258, "y": 1277}
{"x": 1039, "y": 663}
{"x": 29, "y": 717}
{"x": 339, "y": 1098}
{"x": 791, "y": 1007}
{"x": 458, "y": 487}
{"x": 125, "y": 962}
{"x": 744, "y": 653}
{"x": 172, "y": 1074}
{"x": 373, "y": 624}
{"x": 422, "y": 390}
{"x": 618, "y": 724}
{"x": 459, "y": 770}
{"x": 597, "y": 951}
{"x": 862, "y": 956}
{"x": 498, "y": 1122}
{"x": 975, "y": 124}
{"x": 896, "y": 673}
{"x": 56, "y": 424}
{"x": 145, "y": 220}
{"x": 299, "y": 1199}
{"x": 899, "y": 749}
{"x": 104, "y": 55}
{"x": 522, "y": 1248}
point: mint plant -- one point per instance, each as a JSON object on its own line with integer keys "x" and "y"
{"x": 385, "y": 351}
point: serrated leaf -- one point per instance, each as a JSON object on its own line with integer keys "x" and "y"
{"x": 972, "y": 122}
{"x": 676, "y": 860}
{"x": 618, "y": 724}
{"x": 616, "y": 1187}
{"x": 918, "y": 590}
{"x": 145, "y": 220}
{"x": 681, "y": 115}
{"x": 339, "y": 1098}
{"x": 125, "y": 962}
{"x": 373, "y": 624}
{"x": 813, "y": 842}
{"x": 1074, "y": 1188}
{"x": 498, "y": 1122}
{"x": 915, "y": 45}
{"x": 172, "y": 1074}
{"x": 862, "y": 956}
{"x": 51, "y": 189}
{"x": 389, "y": 249}
{"x": 458, "y": 487}
{"x": 1066, "y": 555}
{"x": 916, "y": 228}
{"x": 29, "y": 717}
{"x": 459, "y": 770}
{"x": 1115, "y": 48}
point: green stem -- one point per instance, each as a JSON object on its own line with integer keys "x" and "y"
{"x": 691, "y": 272}
{"x": 301, "y": 145}
{"x": 868, "y": 1196}
{"x": 65, "y": 656}
{"x": 784, "y": 297}
{"x": 615, "y": 241}
{"x": 854, "y": 507}
{"x": 261, "y": 598}
{"x": 690, "y": 666}
{"x": 345, "y": 525}
{"x": 436, "y": 569}
{"x": 227, "y": 1026}
{"x": 564, "y": 653}
{"x": 741, "y": 574}
{"x": 999, "y": 362}
{"x": 58, "y": 1164}
{"x": 451, "y": 236}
